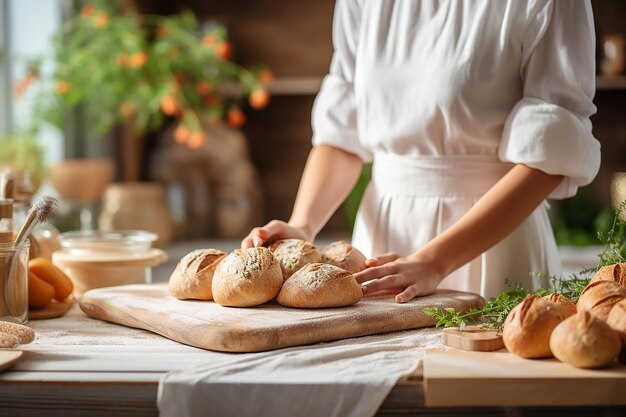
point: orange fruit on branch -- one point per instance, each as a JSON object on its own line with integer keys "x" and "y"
{"x": 224, "y": 50}
{"x": 259, "y": 99}
{"x": 62, "y": 87}
{"x": 181, "y": 133}
{"x": 170, "y": 106}
{"x": 236, "y": 118}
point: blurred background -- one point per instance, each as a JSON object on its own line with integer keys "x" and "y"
{"x": 192, "y": 118}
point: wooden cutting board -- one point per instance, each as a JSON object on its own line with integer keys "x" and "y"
{"x": 459, "y": 378}
{"x": 207, "y": 325}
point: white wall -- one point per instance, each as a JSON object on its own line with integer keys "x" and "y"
{"x": 32, "y": 24}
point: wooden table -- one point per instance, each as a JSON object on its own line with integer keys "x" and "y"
{"x": 80, "y": 366}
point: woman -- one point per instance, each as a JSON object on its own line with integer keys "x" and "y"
{"x": 473, "y": 112}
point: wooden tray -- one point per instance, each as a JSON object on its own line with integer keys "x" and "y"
{"x": 208, "y": 325}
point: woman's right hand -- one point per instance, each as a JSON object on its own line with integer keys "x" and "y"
{"x": 274, "y": 230}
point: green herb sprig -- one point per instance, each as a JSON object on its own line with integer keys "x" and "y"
{"x": 494, "y": 313}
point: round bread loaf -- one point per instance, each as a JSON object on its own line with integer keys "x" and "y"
{"x": 584, "y": 341}
{"x": 246, "y": 278}
{"x": 599, "y": 297}
{"x": 617, "y": 321}
{"x": 615, "y": 272}
{"x": 293, "y": 254}
{"x": 528, "y": 326}
{"x": 564, "y": 302}
{"x": 320, "y": 285}
{"x": 193, "y": 276}
{"x": 344, "y": 255}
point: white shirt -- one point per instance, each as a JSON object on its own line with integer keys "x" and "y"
{"x": 504, "y": 81}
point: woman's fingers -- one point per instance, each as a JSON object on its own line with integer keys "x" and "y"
{"x": 252, "y": 240}
{"x": 413, "y": 291}
{"x": 382, "y": 259}
{"x": 375, "y": 272}
{"x": 388, "y": 282}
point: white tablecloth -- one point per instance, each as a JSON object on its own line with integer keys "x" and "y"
{"x": 347, "y": 378}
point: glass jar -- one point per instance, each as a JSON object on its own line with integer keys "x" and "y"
{"x": 14, "y": 282}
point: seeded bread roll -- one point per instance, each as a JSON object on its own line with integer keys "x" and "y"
{"x": 564, "y": 302}
{"x": 246, "y": 278}
{"x": 617, "y": 321}
{"x": 585, "y": 341}
{"x": 293, "y": 254}
{"x": 528, "y": 326}
{"x": 615, "y": 272}
{"x": 24, "y": 334}
{"x": 599, "y": 297}
{"x": 320, "y": 285}
{"x": 193, "y": 276}
{"x": 344, "y": 255}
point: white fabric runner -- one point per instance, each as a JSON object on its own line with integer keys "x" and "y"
{"x": 346, "y": 378}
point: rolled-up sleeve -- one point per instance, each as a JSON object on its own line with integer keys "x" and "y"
{"x": 334, "y": 117}
{"x": 549, "y": 128}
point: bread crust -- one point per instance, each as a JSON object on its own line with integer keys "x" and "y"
{"x": 192, "y": 279}
{"x": 528, "y": 327}
{"x": 600, "y": 296}
{"x": 617, "y": 321}
{"x": 615, "y": 272}
{"x": 343, "y": 255}
{"x": 564, "y": 302}
{"x": 247, "y": 278}
{"x": 293, "y": 254}
{"x": 585, "y": 341}
{"x": 319, "y": 285}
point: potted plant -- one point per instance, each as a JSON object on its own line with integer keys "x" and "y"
{"x": 144, "y": 70}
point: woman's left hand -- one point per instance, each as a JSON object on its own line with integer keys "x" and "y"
{"x": 408, "y": 275}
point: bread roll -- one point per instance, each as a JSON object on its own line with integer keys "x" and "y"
{"x": 320, "y": 285}
{"x": 564, "y": 302}
{"x": 246, "y": 278}
{"x": 344, "y": 255}
{"x": 599, "y": 297}
{"x": 528, "y": 326}
{"x": 24, "y": 334}
{"x": 615, "y": 272}
{"x": 617, "y": 321}
{"x": 293, "y": 254}
{"x": 584, "y": 341}
{"x": 193, "y": 276}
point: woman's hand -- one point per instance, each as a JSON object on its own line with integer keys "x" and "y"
{"x": 274, "y": 230}
{"x": 410, "y": 276}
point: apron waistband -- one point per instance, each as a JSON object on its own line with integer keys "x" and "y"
{"x": 458, "y": 175}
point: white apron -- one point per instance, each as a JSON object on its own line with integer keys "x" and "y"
{"x": 410, "y": 200}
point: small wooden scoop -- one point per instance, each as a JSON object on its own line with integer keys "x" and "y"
{"x": 473, "y": 338}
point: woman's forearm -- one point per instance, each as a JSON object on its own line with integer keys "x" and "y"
{"x": 502, "y": 209}
{"x": 329, "y": 176}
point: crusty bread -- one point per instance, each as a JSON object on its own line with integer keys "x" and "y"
{"x": 599, "y": 297}
{"x": 293, "y": 254}
{"x": 247, "y": 277}
{"x": 585, "y": 341}
{"x": 617, "y": 321}
{"x": 193, "y": 276}
{"x": 344, "y": 255}
{"x": 528, "y": 326}
{"x": 564, "y": 302}
{"x": 615, "y": 272}
{"x": 320, "y": 285}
